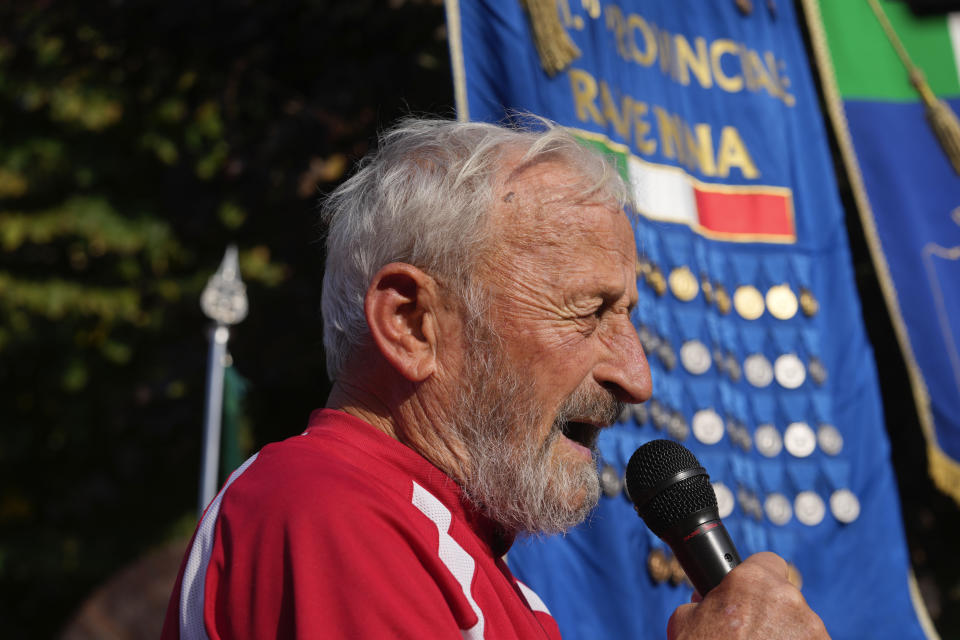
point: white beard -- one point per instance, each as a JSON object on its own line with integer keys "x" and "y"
{"x": 515, "y": 480}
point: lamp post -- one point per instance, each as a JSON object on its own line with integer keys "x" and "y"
{"x": 224, "y": 300}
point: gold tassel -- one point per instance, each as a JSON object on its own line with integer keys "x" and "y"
{"x": 941, "y": 117}
{"x": 555, "y": 47}
{"x": 939, "y": 114}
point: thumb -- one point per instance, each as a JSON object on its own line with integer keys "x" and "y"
{"x": 679, "y": 620}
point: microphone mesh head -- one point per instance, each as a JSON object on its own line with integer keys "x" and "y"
{"x": 655, "y": 463}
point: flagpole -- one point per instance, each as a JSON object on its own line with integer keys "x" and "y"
{"x": 224, "y": 300}
{"x": 212, "y": 414}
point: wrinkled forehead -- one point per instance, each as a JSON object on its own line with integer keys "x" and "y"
{"x": 548, "y": 201}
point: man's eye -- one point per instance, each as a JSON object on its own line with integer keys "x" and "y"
{"x": 591, "y": 316}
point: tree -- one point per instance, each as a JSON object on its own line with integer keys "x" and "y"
{"x": 139, "y": 138}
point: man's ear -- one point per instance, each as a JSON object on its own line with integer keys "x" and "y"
{"x": 401, "y": 307}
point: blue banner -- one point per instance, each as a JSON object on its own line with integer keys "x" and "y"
{"x": 906, "y": 187}
{"x": 748, "y": 310}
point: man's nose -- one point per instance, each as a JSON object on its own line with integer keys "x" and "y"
{"x": 624, "y": 369}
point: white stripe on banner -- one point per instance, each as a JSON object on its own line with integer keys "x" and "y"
{"x": 455, "y": 557}
{"x": 662, "y": 192}
{"x": 195, "y": 573}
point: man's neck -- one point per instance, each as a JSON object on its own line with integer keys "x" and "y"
{"x": 407, "y": 418}
{"x": 358, "y": 402}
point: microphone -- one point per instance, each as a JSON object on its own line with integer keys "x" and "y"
{"x": 672, "y": 493}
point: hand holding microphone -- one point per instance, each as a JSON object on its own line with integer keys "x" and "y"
{"x": 673, "y": 495}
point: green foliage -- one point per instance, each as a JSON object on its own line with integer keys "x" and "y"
{"x": 139, "y": 139}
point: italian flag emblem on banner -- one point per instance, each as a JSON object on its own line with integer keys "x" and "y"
{"x": 725, "y": 212}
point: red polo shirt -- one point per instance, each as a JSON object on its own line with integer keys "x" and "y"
{"x": 343, "y": 532}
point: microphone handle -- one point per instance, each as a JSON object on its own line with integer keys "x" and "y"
{"x": 706, "y": 554}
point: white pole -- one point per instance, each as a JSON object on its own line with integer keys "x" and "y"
{"x": 210, "y": 464}
{"x": 224, "y": 300}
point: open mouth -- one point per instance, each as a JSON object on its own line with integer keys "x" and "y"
{"x": 582, "y": 433}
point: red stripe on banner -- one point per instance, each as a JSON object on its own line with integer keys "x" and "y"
{"x": 747, "y": 214}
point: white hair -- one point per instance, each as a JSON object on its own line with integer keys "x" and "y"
{"x": 423, "y": 198}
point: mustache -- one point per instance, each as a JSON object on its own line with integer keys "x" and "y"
{"x": 595, "y": 406}
{"x": 582, "y": 414}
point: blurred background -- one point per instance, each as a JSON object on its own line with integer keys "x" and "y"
{"x": 138, "y": 138}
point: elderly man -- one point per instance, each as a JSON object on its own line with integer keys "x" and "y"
{"x": 477, "y": 298}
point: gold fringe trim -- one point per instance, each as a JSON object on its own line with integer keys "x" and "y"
{"x": 455, "y": 40}
{"x": 945, "y": 471}
{"x": 555, "y": 47}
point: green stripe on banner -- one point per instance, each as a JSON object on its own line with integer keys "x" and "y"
{"x": 619, "y": 158}
{"x": 865, "y": 62}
